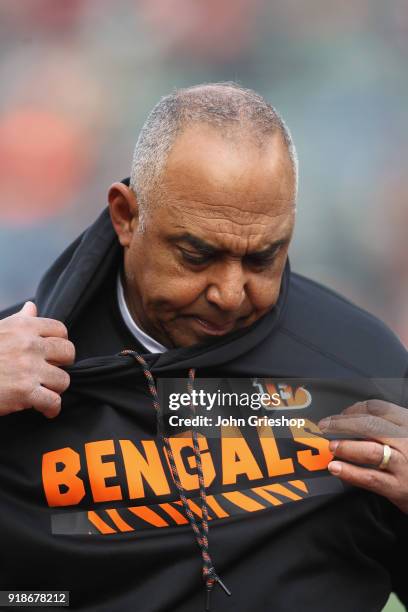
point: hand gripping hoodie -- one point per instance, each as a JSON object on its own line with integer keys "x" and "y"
{"x": 107, "y": 503}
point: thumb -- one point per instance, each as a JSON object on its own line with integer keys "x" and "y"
{"x": 29, "y": 309}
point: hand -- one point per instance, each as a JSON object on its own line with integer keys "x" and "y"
{"x": 31, "y": 348}
{"x": 382, "y": 423}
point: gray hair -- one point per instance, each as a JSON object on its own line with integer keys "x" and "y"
{"x": 221, "y": 105}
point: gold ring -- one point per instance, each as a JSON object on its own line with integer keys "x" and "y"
{"x": 386, "y": 457}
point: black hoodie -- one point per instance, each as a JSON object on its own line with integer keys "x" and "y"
{"x": 88, "y": 503}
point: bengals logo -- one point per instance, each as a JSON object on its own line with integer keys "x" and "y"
{"x": 291, "y": 397}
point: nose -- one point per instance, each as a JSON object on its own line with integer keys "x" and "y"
{"x": 227, "y": 287}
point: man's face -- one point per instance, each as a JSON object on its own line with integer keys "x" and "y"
{"x": 212, "y": 255}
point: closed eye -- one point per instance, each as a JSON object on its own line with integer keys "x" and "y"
{"x": 195, "y": 258}
{"x": 261, "y": 260}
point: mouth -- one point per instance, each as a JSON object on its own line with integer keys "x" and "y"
{"x": 210, "y": 328}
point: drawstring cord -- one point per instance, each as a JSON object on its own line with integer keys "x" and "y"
{"x": 200, "y": 531}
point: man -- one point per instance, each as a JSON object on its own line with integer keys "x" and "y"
{"x": 188, "y": 269}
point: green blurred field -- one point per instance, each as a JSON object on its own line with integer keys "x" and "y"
{"x": 394, "y": 605}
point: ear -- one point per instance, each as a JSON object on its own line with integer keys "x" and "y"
{"x": 124, "y": 212}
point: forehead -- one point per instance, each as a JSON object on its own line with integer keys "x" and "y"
{"x": 229, "y": 168}
{"x": 218, "y": 186}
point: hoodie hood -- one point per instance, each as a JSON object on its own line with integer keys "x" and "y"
{"x": 78, "y": 274}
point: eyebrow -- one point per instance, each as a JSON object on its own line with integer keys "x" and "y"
{"x": 208, "y": 249}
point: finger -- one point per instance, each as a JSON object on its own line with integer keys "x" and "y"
{"x": 50, "y": 327}
{"x": 365, "y": 452}
{"x": 377, "y": 481}
{"x": 46, "y": 401}
{"x": 29, "y": 309}
{"x": 54, "y": 378}
{"x": 362, "y": 426}
{"x": 41, "y": 326}
{"x": 386, "y": 410}
{"x": 59, "y": 351}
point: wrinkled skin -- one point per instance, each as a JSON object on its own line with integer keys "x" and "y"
{"x": 380, "y": 423}
{"x": 206, "y": 264}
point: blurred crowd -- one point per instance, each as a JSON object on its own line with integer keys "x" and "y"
{"x": 77, "y": 79}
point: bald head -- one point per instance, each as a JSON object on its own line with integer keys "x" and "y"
{"x": 236, "y": 114}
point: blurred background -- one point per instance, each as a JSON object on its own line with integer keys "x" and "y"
{"x": 77, "y": 79}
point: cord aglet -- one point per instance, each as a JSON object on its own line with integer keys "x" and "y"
{"x": 209, "y": 588}
{"x": 223, "y": 586}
